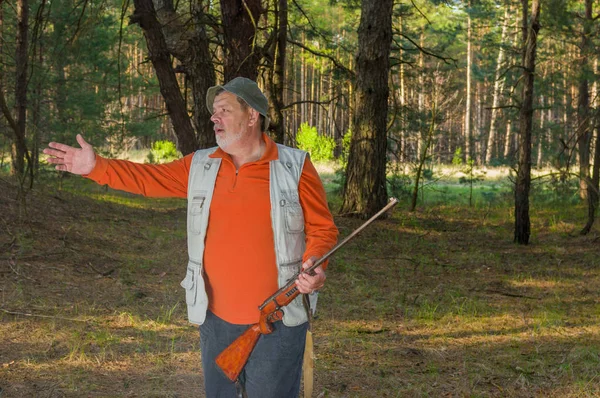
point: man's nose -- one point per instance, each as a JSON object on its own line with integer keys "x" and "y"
{"x": 214, "y": 117}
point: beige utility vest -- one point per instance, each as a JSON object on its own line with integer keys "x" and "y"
{"x": 287, "y": 219}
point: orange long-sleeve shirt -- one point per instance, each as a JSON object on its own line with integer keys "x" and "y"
{"x": 239, "y": 257}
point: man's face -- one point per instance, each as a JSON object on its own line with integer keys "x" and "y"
{"x": 231, "y": 121}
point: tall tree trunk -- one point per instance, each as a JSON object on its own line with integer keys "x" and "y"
{"x": 365, "y": 188}
{"x": 468, "y": 93}
{"x": 540, "y": 146}
{"x": 19, "y": 148}
{"x": 593, "y": 190}
{"x": 584, "y": 133}
{"x": 421, "y": 99}
{"x": 402, "y": 141}
{"x": 37, "y": 112}
{"x": 592, "y": 123}
{"x": 278, "y": 72}
{"x": 303, "y": 84}
{"x": 240, "y": 24}
{"x": 188, "y": 42}
{"x": 159, "y": 55}
{"x": 498, "y": 87}
{"x": 523, "y": 182}
{"x": 508, "y": 140}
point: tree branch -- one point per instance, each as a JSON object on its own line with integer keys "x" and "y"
{"x": 427, "y": 52}
{"x": 310, "y": 102}
{"x": 337, "y": 63}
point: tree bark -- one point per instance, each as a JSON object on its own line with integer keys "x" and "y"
{"x": 584, "y": 133}
{"x": 365, "y": 187}
{"x": 592, "y": 185}
{"x": 523, "y": 182}
{"x": 498, "y": 87}
{"x": 145, "y": 16}
{"x": 188, "y": 42}
{"x": 277, "y": 72}
{"x": 240, "y": 23}
{"x": 19, "y": 147}
{"x": 468, "y": 94}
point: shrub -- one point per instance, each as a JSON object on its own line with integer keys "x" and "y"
{"x": 319, "y": 147}
{"x": 163, "y": 151}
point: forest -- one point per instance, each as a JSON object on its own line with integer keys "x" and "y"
{"x": 493, "y": 83}
{"x": 481, "y": 116}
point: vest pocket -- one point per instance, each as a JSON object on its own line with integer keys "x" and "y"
{"x": 196, "y": 211}
{"x": 195, "y": 294}
{"x": 294, "y": 216}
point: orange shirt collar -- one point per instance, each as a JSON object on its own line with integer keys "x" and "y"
{"x": 271, "y": 151}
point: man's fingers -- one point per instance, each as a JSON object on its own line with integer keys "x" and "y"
{"x": 83, "y": 143}
{"x": 55, "y": 160}
{"x": 308, "y": 283}
{"x": 308, "y": 263}
{"x": 54, "y": 152}
{"x": 59, "y": 146}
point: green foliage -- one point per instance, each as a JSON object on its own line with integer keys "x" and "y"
{"x": 162, "y": 152}
{"x": 559, "y": 189}
{"x": 427, "y": 174}
{"x": 457, "y": 158}
{"x": 399, "y": 185}
{"x": 319, "y": 147}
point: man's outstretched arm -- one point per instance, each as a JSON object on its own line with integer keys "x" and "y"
{"x": 163, "y": 180}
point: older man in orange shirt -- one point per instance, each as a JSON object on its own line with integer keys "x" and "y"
{"x": 257, "y": 211}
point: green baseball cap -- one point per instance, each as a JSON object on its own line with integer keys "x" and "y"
{"x": 247, "y": 90}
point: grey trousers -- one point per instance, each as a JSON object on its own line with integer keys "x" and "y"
{"x": 272, "y": 371}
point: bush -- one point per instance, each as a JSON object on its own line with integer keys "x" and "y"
{"x": 319, "y": 147}
{"x": 162, "y": 152}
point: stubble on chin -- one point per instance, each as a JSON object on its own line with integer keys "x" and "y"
{"x": 225, "y": 142}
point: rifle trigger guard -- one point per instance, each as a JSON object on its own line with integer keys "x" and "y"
{"x": 276, "y": 315}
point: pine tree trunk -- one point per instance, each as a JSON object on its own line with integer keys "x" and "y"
{"x": 593, "y": 184}
{"x": 277, "y": 73}
{"x": 365, "y": 188}
{"x": 523, "y": 182}
{"x": 584, "y": 133}
{"x": 540, "y": 143}
{"x": 421, "y": 99}
{"x": 187, "y": 41}
{"x": 468, "y": 93}
{"x": 159, "y": 55}
{"x": 239, "y": 21}
{"x": 498, "y": 87}
{"x": 19, "y": 148}
{"x": 402, "y": 141}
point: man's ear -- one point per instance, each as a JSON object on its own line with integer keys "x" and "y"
{"x": 254, "y": 117}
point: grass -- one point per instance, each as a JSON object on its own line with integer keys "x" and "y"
{"x": 438, "y": 302}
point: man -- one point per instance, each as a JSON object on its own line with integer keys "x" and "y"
{"x": 257, "y": 212}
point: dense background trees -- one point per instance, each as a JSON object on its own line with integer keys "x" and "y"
{"x": 115, "y": 71}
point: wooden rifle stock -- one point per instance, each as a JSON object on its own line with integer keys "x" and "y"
{"x": 233, "y": 358}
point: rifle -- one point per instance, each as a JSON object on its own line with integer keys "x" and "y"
{"x": 233, "y": 358}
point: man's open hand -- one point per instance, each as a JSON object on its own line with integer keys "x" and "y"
{"x": 74, "y": 160}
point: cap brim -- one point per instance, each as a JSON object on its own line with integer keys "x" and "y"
{"x": 210, "y": 97}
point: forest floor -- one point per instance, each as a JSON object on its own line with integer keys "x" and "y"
{"x": 435, "y": 303}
